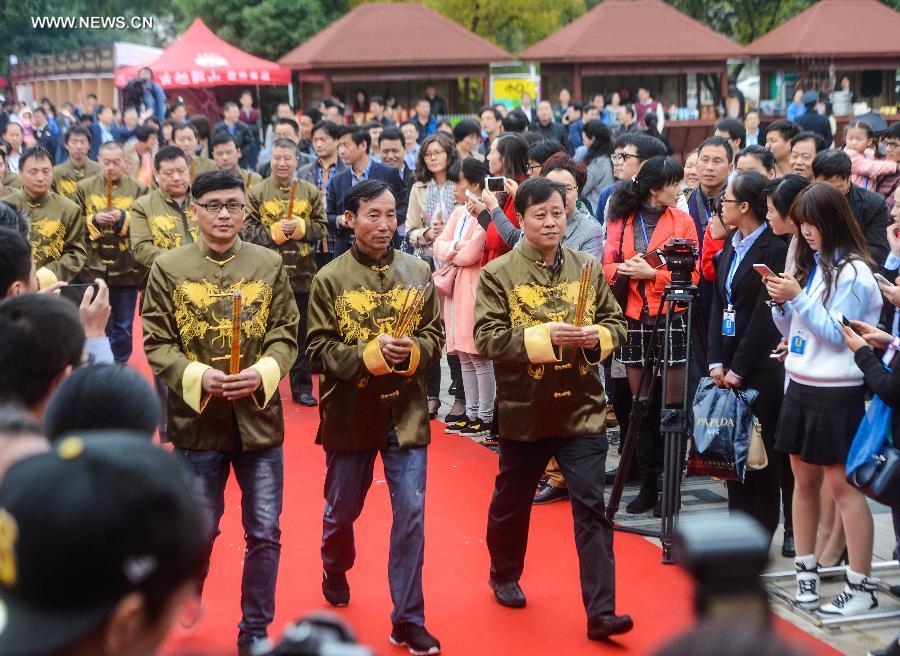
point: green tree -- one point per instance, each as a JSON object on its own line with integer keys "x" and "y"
{"x": 511, "y": 24}
{"x": 742, "y": 20}
{"x": 19, "y": 37}
{"x": 268, "y": 28}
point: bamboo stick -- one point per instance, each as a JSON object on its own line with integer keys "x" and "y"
{"x": 109, "y": 190}
{"x": 235, "y": 364}
{"x": 290, "y": 207}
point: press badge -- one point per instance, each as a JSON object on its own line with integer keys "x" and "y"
{"x": 797, "y": 345}
{"x": 728, "y": 322}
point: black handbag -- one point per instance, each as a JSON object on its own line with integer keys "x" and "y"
{"x": 879, "y": 478}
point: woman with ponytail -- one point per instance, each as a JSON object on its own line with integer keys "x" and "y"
{"x": 642, "y": 218}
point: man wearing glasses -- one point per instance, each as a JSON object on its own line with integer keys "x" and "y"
{"x": 218, "y": 419}
{"x": 887, "y": 184}
{"x": 294, "y": 237}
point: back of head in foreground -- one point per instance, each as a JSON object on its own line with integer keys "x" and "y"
{"x": 103, "y": 542}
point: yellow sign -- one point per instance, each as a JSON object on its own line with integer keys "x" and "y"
{"x": 509, "y": 90}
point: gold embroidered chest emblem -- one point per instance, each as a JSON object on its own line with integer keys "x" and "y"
{"x": 272, "y": 211}
{"x": 166, "y": 230}
{"x": 48, "y": 237}
{"x": 363, "y": 314}
{"x": 532, "y": 304}
{"x": 203, "y": 314}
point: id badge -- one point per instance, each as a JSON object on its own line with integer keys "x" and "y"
{"x": 797, "y": 345}
{"x": 728, "y": 322}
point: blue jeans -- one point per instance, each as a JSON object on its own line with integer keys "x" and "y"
{"x": 122, "y": 301}
{"x": 347, "y": 480}
{"x": 260, "y": 475}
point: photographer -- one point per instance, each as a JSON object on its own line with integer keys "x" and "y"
{"x": 741, "y": 335}
{"x": 825, "y": 398}
{"x": 642, "y": 218}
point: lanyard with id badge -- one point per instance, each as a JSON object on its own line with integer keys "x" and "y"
{"x": 728, "y": 314}
{"x": 797, "y": 343}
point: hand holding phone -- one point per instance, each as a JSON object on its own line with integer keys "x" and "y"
{"x": 765, "y": 271}
{"x": 495, "y": 183}
{"x": 880, "y": 278}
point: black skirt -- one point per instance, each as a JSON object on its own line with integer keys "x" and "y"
{"x": 818, "y": 423}
{"x": 634, "y": 352}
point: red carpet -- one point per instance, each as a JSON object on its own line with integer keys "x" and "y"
{"x": 460, "y": 609}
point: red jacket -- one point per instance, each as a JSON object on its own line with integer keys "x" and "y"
{"x": 711, "y": 246}
{"x": 672, "y": 223}
{"x": 494, "y": 246}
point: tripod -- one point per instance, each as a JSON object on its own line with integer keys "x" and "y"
{"x": 674, "y": 424}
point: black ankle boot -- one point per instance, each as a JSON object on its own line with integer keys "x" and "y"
{"x": 645, "y": 500}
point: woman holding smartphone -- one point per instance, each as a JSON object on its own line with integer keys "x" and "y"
{"x": 642, "y": 218}
{"x": 508, "y": 158}
{"x": 825, "y": 398}
{"x": 742, "y": 335}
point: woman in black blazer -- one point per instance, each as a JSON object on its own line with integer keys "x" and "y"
{"x": 742, "y": 334}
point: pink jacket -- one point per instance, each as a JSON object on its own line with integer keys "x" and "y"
{"x": 866, "y": 169}
{"x": 459, "y": 311}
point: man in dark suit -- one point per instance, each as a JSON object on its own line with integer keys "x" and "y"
{"x": 833, "y": 167}
{"x": 392, "y": 146}
{"x": 239, "y": 130}
{"x": 813, "y": 121}
{"x": 353, "y": 148}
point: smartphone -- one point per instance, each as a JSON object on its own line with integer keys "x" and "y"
{"x": 495, "y": 183}
{"x": 655, "y": 259}
{"x": 472, "y": 196}
{"x": 75, "y": 291}
{"x": 846, "y": 322}
{"x": 765, "y": 271}
{"x": 880, "y": 278}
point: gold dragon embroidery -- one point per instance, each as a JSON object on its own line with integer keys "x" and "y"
{"x": 203, "y": 313}
{"x": 272, "y": 211}
{"x": 533, "y": 304}
{"x": 67, "y": 188}
{"x": 48, "y": 237}
{"x": 165, "y": 229}
{"x": 362, "y": 313}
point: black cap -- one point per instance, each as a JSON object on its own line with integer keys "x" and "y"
{"x": 83, "y": 525}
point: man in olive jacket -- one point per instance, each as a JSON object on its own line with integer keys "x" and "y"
{"x": 373, "y": 400}
{"x": 549, "y": 395}
{"x": 218, "y": 419}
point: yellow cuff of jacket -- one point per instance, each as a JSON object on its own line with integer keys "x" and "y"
{"x": 125, "y": 224}
{"x": 93, "y": 231}
{"x": 277, "y": 232}
{"x": 270, "y": 373}
{"x": 45, "y": 278}
{"x": 538, "y": 346}
{"x": 606, "y": 345}
{"x": 374, "y": 360}
{"x": 192, "y": 386}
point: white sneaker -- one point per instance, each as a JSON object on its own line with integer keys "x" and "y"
{"x": 807, "y": 580}
{"x": 859, "y": 596}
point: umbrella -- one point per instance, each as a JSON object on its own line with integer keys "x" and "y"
{"x": 875, "y": 120}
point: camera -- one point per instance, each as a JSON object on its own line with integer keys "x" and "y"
{"x": 681, "y": 256}
{"x": 317, "y": 634}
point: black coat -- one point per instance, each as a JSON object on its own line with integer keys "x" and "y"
{"x": 871, "y": 212}
{"x": 553, "y": 130}
{"x": 747, "y": 352}
{"x": 813, "y": 121}
{"x": 882, "y": 382}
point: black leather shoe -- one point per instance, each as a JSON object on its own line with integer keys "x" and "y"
{"x": 550, "y": 493}
{"x": 306, "y": 399}
{"x": 646, "y": 500}
{"x": 600, "y": 628}
{"x": 335, "y": 588}
{"x": 508, "y": 594}
{"x": 611, "y": 476}
{"x": 788, "y": 550}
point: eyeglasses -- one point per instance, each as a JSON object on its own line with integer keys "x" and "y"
{"x": 434, "y": 154}
{"x": 620, "y": 157}
{"x": 214, "y": 207}
{"x": 533, "y": 167}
